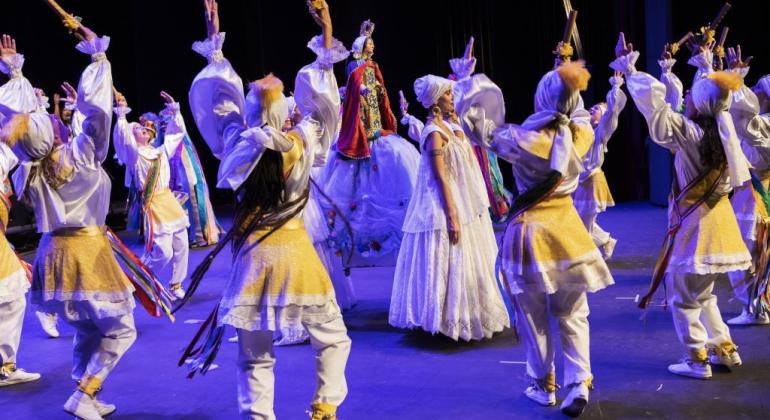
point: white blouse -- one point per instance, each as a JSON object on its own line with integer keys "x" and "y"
{"x": 84, "y": 199}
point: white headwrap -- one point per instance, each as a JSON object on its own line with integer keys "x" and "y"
{"x": 358, "y": 46}
{"x": 37, "y": 140}
{"x": 273, "y": 113}
{"x": 429, "y": 89}
{"x": 710, "y": 100}
{"x": 553, "y": 102}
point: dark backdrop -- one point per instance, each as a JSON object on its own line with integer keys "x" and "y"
{"x": 151, "y": 51}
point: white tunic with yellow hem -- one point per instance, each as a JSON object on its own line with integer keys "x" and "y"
{"x": 709, "y": 240}
{"x": 13, "y": 278}
{"x": 547, "y": 248}
{"x": 279, "y": 283}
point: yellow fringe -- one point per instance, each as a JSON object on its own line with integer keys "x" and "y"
{"x": 269, "y": 89}
{"x": 17, "y": 128}
{"x": 574, "y": 75}
{"x": 727, "y": 82}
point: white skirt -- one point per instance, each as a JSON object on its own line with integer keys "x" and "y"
{"x": 449, "y": 289}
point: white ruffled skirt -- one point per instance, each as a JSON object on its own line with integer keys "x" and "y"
{"x": 449, "y": 289}
{"x": 373, "y": 195}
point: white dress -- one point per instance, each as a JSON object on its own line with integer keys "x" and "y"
{"x": 440, "y": 287}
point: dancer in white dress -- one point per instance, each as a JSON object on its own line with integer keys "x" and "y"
{"x": 445, "y": 274}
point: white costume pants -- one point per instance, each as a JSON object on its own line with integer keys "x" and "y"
{"x": 697, "y": 319}
{"x": 11, "y": 320}
{"x": 599, "y": 235}
{"x": 256, "y": 381}
{"x": 570, "y": 309}
{"x": 99, "y": 344}
{"x": 169, "y": 248}
{"x": 742, "y": 281}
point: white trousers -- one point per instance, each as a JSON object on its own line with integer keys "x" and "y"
{"x": 11, "y": 320}
{"x": 697, "y": 319}
{"x": 99, "y": 344}
{"x": 570, "y": 310}
{"x": 169, "y": 248}
{"x": 599, "y": 235}
{"x": 742, "y": 281}
{"x": 256, "y": 380}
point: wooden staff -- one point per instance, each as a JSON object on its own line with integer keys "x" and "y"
{"x": 70, "y": 22}
{"x": 567, "y": 38}
{"x": 721, "y": 15}
{"x": 676, "y": 45}
{"x": 723, "y": 37}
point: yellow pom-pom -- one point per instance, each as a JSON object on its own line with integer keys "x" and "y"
{"x": 269, "y": 88}
{"x": 16, "y": 128}
{"x": 727, "y": 82}
{"x": 574, "y": 75}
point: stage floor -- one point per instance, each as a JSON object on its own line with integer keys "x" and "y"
{"x": 396, "y": 374}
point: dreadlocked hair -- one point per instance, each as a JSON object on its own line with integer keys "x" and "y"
{"x": 264, "y": 189}
{"x": 712, "y": 154}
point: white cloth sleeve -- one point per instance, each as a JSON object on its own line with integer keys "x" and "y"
{"x": 126, "y": 149}
{"x": 216, "y": 97}
{"x": 317, "y": 95}
{"x": 668, "y": 128}
{"x": 752, "y": 127}
{"x": 608, "y": 123}
{"x": 17, "y": 95}
{"x": 703, "y": 61}
{"x": 414, "y": 127}
{"x": 463, "y": 67}
{"x": 95, "y": 103}
{"x": 175, "y": 130}
{"x": 8, "y": 161}
{"x": 674, "y": 86}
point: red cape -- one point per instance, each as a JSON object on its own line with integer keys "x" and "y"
{"x": 352, "y": 141}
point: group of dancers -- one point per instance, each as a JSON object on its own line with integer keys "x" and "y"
{"x": 324, "y": 183}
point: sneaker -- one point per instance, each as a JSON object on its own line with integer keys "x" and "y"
{"x": 576, "y": 400}
{"x": 82, "y": 406}
{"x": 14, "y": 375}
{"x": 731, "y": 359}
{"x": 747, "y": 318}
{"x": 609, "y": 248}
{"x": 104, "y": 408}
{"x": 537, "y": 394}
{"x": 48, "y": 323}
{"x": 322, "y": 411}
{"x": 176, "y": 291}
{"x": 688, "y": 367}
{"x": 233, "y": 339}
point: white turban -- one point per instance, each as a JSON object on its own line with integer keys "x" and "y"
{"x": 554, "y": 101}
{"x": 710, "y": 100}
{"x": 272, "y": 113}
{"x": 33, "y": 142}
{"x": 430, "y": 88}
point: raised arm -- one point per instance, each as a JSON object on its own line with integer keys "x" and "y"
{"x": 315, "y": 87}
{"x": 752, "y": 127}
{"x": 94, "y": 99}
{"x": 481, "y": 109}
{"x": 17, "y": 95}
{"x": 414, "y": 125}
{"x": 126, "y": 148}
{"x": 667, "y": 127}
{"x": 674, "y": 86}
{"x": 175, "y": 130}
{"x": 616, "y": 101}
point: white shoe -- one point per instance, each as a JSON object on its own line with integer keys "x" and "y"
{"x": 82, "y": 406}
{"x": 747, "y": 318}
{"x": 609, "y": 248}
{"x": 540, "y": 396}
{"x": 48, "y": 323}
{"x": 731, "y": 360}
{"x": 576, "y": 400}
{"x": 176, "y": 291}
{"x": 233, "y": 339}
{"x": 15, "y": 376}
{"x": 104, "y": 408}
{"x": 692, "y": 369}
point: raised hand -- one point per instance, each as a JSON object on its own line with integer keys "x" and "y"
{"x": 212, "y": 17}
{"x": 734, "y": 58}
{"x": 469, "y": 49}
{"x": 668, "y": 52}
{"x": 120, "y": 100}
{"x": 166, "y": 97}
{"x": 622, "y": 48}
{"x": 403, "y": 103}
{"x": 7, "y": 46}
{"x": 84, "y": 33}
{"x": 71, "y": 94}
